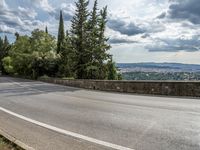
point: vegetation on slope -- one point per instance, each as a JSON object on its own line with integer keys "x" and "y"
{"x": 80, "y": 53}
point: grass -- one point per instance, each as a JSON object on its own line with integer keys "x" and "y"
{"x": 7, "y": 145}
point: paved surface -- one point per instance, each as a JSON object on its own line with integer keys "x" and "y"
{"x": 136, "y": 122}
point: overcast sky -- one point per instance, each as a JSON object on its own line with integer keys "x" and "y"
{"x": 139, "y": 30}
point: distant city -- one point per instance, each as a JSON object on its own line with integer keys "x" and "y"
{"x": 159, "y": 71}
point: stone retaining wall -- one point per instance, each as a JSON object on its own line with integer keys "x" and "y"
{"x": 172, "y": 88}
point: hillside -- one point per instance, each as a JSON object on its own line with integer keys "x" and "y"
{"x": 158, "y": 67}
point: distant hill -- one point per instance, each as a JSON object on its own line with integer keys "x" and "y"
{"x": 158, "y": 67}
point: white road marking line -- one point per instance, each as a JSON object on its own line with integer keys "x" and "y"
{"x": 68, "y": 133}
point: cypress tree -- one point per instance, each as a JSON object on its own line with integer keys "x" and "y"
{"x": 46, "y": 30}
{"x": 1, "y": 54}
{"x": 103, "y": 46}
{"x": 6, "y": 46}
{"x": 17, "y": 35}
{"x": 103, "y": 41}
{"x": 4, "y": 49}
{"x": 1, "y": 43}
{"x": 93, "y": 20}
{"x": 66, "y": 68}
{"x": 79, "y": 36}
{"x": 92, "y": 41}
{"x": 6, "y": 43}
{"x": 61, "y": 33}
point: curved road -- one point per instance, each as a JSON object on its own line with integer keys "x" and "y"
{"x": 96, "y": 120}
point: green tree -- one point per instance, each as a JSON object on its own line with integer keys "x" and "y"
{"x": 92, "y": 44}
{"x": 102, "y": 55}
{"x": 61, "y": 33}
{"x": 67, "y": 58}
{"x": 17, "y": 35}
{"x": 8, "y": 65}
{"x": 34, "y": 56}
{"x": 112, "y": 71}
{"x": 79, "y": 36}
{"x": 4, "y": 49}
{"x": 20, "y": 56}
{"x": 44, "y": 56}
{"x": 46, "y": 30}
{"x": 98, "y": 43}
{"x": 1, "y": 54}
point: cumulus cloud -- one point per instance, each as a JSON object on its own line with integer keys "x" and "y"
{"x": 27, "y": 12}
{"x": 118, "y": 40}
{"x": 181, "y": 19}
{"x": 162, "y": 15}
{"x": 3, "y": 4}
{"x": 6, "y": 29}
{"x": 175, "y": 45}
{"x": 68, "y": 10}
{"x": 44, "y": 4}
{"x": 20, "y": 19}
{"x": 183, "y": 10}
{"x": 123, "y": 27}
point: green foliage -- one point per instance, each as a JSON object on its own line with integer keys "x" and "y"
{"x": 46, "y": 30}
{"x": 79, "y": 36}
{"x": 1, "y": 54}
{"x": 34, "y": 56}
{"x": 112, "y": 71}
{"x": 61, "y": 33}
{"x": 68, "y": 78}
{"x": 44, "y": 77}
{"x": 4, "y": 50}
{"x": 119, "y": 76}
{"x": 8, "y": 65}
{"x": 67, "y": 59}
{"x": 82, "y": 53}
{"x": 89, "y": 41}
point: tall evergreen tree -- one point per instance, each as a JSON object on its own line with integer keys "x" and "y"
{"x": 94, "y": 16}
{"x": 1, "y": 54}
{"x": 17, "y": 35}
{"x": 61, "y": 33}
{"x": 79, "y": 36}
{"x": 67, "y": 58}
{"x": 6, "y": 42}
{"x": 4, "y": 49}
{"x": 112, "y": 71}
{"x": 92, "y": 43}
{"x": 103, "y": 40}
{"x": 46, "y": 29}
{"x": 103, "y": 47}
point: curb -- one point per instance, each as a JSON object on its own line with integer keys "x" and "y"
{"x": 15, "y": 141}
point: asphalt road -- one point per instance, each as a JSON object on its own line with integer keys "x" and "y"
{"x": 129, "y": 121}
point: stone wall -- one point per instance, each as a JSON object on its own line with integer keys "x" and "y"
{"x": 172, "y": 88}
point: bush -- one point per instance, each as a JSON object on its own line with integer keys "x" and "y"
{"x": 68, "y": 78}
{"x": 44, "y": 77}
{"x": 7, "y": 64}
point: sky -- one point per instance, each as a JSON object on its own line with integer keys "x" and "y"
{"x": 138, "y": 30}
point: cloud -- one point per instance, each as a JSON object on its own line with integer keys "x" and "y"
{"x": 3, "y": 4}
{"x": 180, "y": 10}
{"x": 67, "y": 10}
{"x": 21, "y": 19}
{"x": 123, "y": 27}
{"x": 6, "y": 29}
{"x": 162, "y": 15}
{"x": 27, "y": 12}
{"x": 175, "y": 45}
{"x": 44, "y": 4}
{"x": 118, "y": 40}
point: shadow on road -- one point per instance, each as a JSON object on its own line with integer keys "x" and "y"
{"x": 19, "y": 87}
